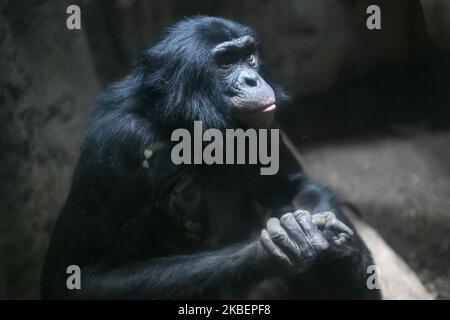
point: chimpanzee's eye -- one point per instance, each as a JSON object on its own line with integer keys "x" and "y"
{"x": 226, "y": 61}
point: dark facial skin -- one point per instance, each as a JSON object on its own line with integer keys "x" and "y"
{"x": 251, "y": 97}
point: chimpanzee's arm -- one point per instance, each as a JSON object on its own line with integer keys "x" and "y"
{"x": 88, "y": 231}
{"x": 202, "y": 275}
{"x": 293, "y": 190}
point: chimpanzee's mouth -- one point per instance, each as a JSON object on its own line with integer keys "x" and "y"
{"x": 270, "y": 108}
{"x": 266, "y": 107}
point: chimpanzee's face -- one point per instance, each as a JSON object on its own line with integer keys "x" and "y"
{"x": 251, "y": 98}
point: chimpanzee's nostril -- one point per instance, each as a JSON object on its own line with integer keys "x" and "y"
{"x": 251, "y": 82}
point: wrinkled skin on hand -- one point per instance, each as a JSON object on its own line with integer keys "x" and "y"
{"x": 298, "y": 240}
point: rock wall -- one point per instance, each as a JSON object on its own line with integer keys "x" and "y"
{"x": 47, "y": 83}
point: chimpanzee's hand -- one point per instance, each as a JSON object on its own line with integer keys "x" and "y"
{"x": 298, "y": 239}
{"x": 340, "y": 237}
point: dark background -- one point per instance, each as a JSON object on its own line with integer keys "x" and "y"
{"x": 370, "y": 110}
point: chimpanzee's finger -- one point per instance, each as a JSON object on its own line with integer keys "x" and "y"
{"x": 315, "y": 237}
{"x": 281, "y": 238}
{"x": 273, "y": 249}
{"x": 327, "y": 220}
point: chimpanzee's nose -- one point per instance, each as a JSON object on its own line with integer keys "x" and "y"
{"x": 249, "y": 79}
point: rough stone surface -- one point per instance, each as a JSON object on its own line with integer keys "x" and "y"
{"x": 47, "y": 84}
{"x": 395, "y": 279}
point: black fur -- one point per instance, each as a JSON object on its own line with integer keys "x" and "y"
{"x": 115, "y": 224}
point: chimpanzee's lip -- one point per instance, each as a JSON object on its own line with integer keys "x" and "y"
{"x": 272, "y": 107}
{"x": 268, "y": 107}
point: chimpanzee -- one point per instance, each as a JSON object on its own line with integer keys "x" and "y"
{"x": 141, "y": 227}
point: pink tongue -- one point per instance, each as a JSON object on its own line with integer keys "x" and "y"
{"x": 270, "y": 108}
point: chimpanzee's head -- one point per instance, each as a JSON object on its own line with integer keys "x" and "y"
{"x": 209, "y": 69}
